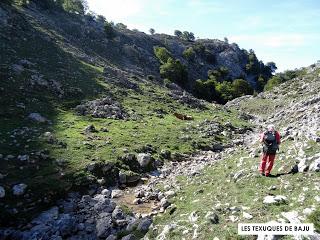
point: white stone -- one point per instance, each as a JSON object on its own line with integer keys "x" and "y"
{"x": 292, "y": 216}
{"x": 307, "y": 211}
{"x": 144, "y": 159}
{"x": 23, "y": 157}
{"x": 274, "y": 199}
{"x": 170, "y": 194}
{"x": 2, "y": 192}
{"x": 247, "y": 215}
{"x": 193, "y": 217}
{"x": 116, "y": 193}
{"x": 19, "y": 189}
{"x": 106, "y": 192}
{"x": 37, "y": 117}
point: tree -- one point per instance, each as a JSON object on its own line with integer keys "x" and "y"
{"x": 272, "y": 66}
{"x": 188, "y": 36}
{"x": 241, "y": 87}
{"x": 178, "y": 33}
{"x": 189, "y": 54}
{"x": 152, "y": 31}
{"x": 162, "y": 54}
{"x": 205, "y": 89}
{"x": 121, "y": 26}
{"x": 225, "y": 91}
{"x": 101, "y": 19}
{"x": 109, "y": 30}
{"x": 175, "y": 71}
{"x": 75, "y": 6}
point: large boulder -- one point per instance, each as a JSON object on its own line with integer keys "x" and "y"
{"x": 144, "y": 224}
{"x": 36, "y": 117}
{"x": 145, "y": 160}
{"x": 104, "y": 226}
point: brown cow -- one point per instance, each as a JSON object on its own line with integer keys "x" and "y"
{"x": 183, "y": 116}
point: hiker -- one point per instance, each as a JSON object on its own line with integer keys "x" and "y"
{"x": 270, "y": 140}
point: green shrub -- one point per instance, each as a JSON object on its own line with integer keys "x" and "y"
{"x": 219, "y": 74}
{"x": 274, "y": 81}
{"x": 175, "y": 71}
{"x": 241, "y": 87}
{"x": 189, "y": 54}
{"x": 225, "y": 90}
{"x": 178, "y": 33}
{"x": 75, "y": 6}
{"x": 162, "y": 54}
{"x": 205, "y": 89}
{"x": 188, "y": 36}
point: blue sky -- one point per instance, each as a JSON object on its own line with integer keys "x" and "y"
{"x": 286, "y": 32}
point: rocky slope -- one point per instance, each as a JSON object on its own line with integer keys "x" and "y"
{"x": 84, "y": 117}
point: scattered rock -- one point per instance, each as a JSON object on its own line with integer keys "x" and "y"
{"x": 104, "y": 226}
{"x": 212, "y": 217}
{"x": 117, "y": 213}
{"x": 19, "y": 189}
{"x": 23, "y": 158}
{"x": 164, "y": 203}
{"x": 2, "y": 192}
{"x": 144, "y": 159}
{"x": 102, "y": 108}
{"x": 170, "y": 194}
{"x": 90, "y": 129}
{"x": 279, "y": 199}
{"x": 144, "y": 225}
{"x": 247, "y": 215}
{"x": 116, "y": 193}
{"x": 106, "y": 192}
{"x": 37, "y": 117}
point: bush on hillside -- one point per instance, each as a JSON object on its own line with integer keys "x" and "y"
{"x": 189, "y": 54}
{"x": 205, "y": 89}
{"x": 225, "y": 91}
{"x": 281, "y": 77}
{"x": 162, "y": 54}
{"x": 109, "y": 30}
{"x": 241, "y": 87}
{"x": 175, "y": 71}
{"x": 178, "y": 33}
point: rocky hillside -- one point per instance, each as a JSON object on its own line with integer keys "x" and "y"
{"x": 95, "y": 145}
{"x": 77, "y": 108}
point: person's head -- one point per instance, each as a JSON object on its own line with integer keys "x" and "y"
{"x": 271, "y": 128}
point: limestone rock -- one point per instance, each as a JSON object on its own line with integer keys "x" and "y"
{"x": 19, "y": 189}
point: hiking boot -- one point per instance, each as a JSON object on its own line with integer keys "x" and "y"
{"x": 262, "y": 174}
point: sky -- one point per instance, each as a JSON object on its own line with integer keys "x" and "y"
{"x": 286, "y": 32}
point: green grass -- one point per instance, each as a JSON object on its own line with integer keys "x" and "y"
{"x": 220, "y": 191}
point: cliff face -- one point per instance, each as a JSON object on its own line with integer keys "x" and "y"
{"x": 128, "y": 50}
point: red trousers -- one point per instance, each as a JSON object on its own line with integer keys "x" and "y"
{"x": 266, "y": 164}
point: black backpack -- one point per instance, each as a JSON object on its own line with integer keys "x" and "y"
{"x": 270, "y": 145}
